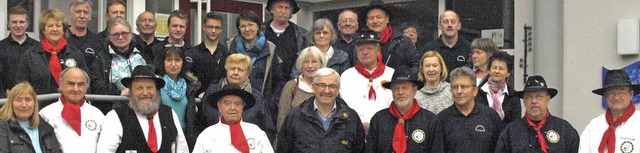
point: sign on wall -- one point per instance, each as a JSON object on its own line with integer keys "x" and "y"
{"x": 162, "y": 29}
{"x": 634, "y": 74}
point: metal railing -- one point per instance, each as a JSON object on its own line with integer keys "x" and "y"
{"x": 90, "y": 97}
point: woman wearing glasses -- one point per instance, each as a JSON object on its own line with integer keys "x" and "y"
{"x": 41, "y": 65}
{"x": 118, "y": 62}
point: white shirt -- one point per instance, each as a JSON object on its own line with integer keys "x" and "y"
{"x": 627, "y": 135}
{"x": 217, "y": 138}
{"x": 111, "y": 136}
{"x": 501, "y": 95}
{"x": 70, "y": 141}
{"x": 354, "y": 90}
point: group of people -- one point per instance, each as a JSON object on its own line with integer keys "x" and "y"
{"x": 277, "y": 87}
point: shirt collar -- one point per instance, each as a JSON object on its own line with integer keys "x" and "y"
{"x": 315, "y": 106}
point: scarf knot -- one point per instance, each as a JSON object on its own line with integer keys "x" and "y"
{"x": 72, "y": 114}
{"x": 238, "y": 140}
{"x": 399, "y": 142}
{"x": 376, "y": 73}
{"x": 54, "y": 62}
{"x": 175, "y": 89}
{"x": 609, "y": 137}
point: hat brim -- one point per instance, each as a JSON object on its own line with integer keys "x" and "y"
{"x": 552, "y": 92}
{"x": 294, "y": 8}
{"x": 127, "y": 81}
{"x": 248, "y": 98}
{"x": 418, "y": 83}
{"x": 601, "y": 91}
{"x": 384, "y": 8}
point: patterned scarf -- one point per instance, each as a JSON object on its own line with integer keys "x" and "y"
{"x": 254, "y": 51}
{"x": 609, "y": 137}
{"x": 538, "y": 128}
{"x": 175, "y": 89}
{"x": 54, "y": 62}
{"x": 237, "y": 136}
{"x": 399, "y": 137}
{"x": 71, "y": 113}
{"x": 495, "y": 89}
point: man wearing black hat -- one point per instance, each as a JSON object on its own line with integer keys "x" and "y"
{"x": 361, "y": 85}
{"x": 322, "y": 123}
{"x": 286, "y": 35}
{"x": 617, "y": 128}
{"x": 231, "y": 134}
{"x": 404, "y": 126}
{"x": 455, "y": 50}
{"x": 467, "y": 126}
{"x": 145, "y": 120}
{"x": 538, "y": 131}
{"x": 398, "y": 52}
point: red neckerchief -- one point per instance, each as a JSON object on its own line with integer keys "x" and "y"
{"x": 376, "y": 73}
{"x": 54, "y": 62}
{"x": 152, "y": 140}
{"x": 386, "y": 34}
{"x": 609, "y": 137}
{"x": 399, "y": 137}
{"x": 71, "y": 113}
{"x": 538, "y": 128}
{"x": 237, "y": 136}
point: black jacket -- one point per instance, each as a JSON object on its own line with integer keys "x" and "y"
{"x": 34, "y": 67}
{"x": 302, "y": 131}
{"x": 510, "y": 105}
{"x": 14, "y": 139}
{"x": 422, "y": 132}
{"x": 400, "y": 54}
{"x": 520, "y": 137}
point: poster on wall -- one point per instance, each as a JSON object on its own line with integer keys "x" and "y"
{"x": 27, "y": 5}
{"x": 162, "y": 30}
{"x": 634, "y": 74}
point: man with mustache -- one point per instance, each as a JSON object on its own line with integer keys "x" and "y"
{"x": 78, "y": 34}
{"x": 177, "y": 24}
{"x": 404, "y": 126}
{"x": 322, "y": 123}
{"x": 289, "y": 38}
{"x": 77, "y": 124}
{"x": 455, "y": 50}
{"x": 144, "y": 120}
{"x": 347, "y": 25}
{"x": 538, "y": 131}
{"x": 361, "y": 86}
{"x": 616, "y": 129}
{"x": 466, "y": 125}
{"x": 146, "y": 26}
{"x": 14, "y": 46}
{"x": 397, "y": 50}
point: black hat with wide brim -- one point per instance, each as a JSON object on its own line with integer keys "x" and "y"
{"x": 378, "y": 4}
{"x": 536, "y": 83}
{"x": 615, "y": 78}
{"x": 144, "y": 72}
{"x": 294, "y": 5}
{"x": 401, "y": 76}
{"x": 231, "y": 89}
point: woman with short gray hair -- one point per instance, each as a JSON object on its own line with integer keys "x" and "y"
{"x": 324, "y": 35}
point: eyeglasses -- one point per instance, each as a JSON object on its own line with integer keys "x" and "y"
{"x": 324, "y": 86}
{"x": 117, "y": 35}
{"x": 463, "y": 87}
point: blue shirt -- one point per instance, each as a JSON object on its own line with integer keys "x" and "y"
{"x": 33, "y": 134}
{"x": 326, "y": 121}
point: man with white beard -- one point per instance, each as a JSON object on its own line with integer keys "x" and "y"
{"x": 145, "y": 111}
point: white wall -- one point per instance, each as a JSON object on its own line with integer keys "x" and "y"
{"x": 590, "y": 43}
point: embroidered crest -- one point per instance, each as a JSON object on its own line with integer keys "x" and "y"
{"x": 252, "y": 143}
{"x": 418, "y": 136}
{"x": 345, "y": 114}
{"x": 553, "y": 136}
{"x": 70, "y": 62}
{"x": 626, "y": 147}
{"x": 91, "y": 125}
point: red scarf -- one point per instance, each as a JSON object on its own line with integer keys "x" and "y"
{"x": 538, "y": 128}
{"x": 386, "y": 34}
{"x": 54, "y": 62}
{"x": 71, "y": 113}
{"x": 399, "y": 137}
{"x": 376, "y": 73}
{"x": 152, "y": 139}
{"x": 609, "y": 137}
{"x": 237, "y": 137}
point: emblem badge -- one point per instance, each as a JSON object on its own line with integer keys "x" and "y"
{"x": 345, "y": 142}
{"x": 626, "y": 147}
{"x": 418, "y": 136}
{"x": 252, "y": 143}
{"x": 70, "y": 62}
{"x": 553, "y": 136}
{"x": 345, "y": 115}
{"x": 91, "y": 125}
{"x": 480, "y": 128}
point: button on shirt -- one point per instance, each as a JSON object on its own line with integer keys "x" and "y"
{"x": 70, "y": 141}
{"x": 477, "y": 132}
